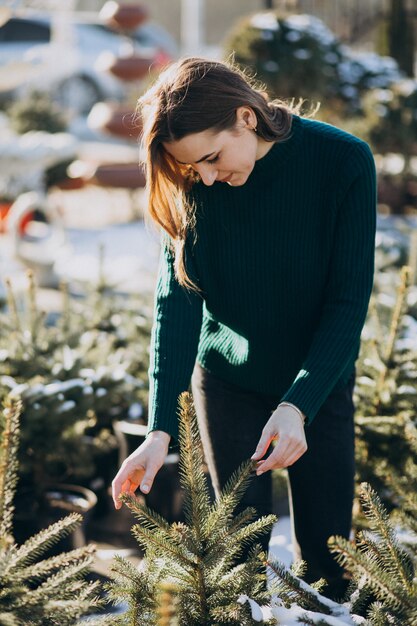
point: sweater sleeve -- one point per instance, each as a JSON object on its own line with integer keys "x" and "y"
{"x": 174, "y": 342}
{"x": 336, "y": 340}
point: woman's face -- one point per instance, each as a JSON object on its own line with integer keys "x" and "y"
{"x": 227, "y": 156}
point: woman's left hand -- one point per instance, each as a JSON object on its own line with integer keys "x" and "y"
{"x": 287, "y": 429}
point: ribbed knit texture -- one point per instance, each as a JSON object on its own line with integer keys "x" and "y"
{"x": 285, "y": 264}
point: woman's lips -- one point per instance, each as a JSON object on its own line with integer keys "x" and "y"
{"x": 225, "y": 180}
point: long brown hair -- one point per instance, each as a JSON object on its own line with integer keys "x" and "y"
{"x": 191, "y": 96}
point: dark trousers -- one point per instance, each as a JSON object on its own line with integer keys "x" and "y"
{"x": 321, "y": 482}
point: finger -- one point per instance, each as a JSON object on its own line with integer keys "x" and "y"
{"x": 276, "y": 459}
{"x": 147, "y": 482}
{"x": 279, "y": 461}
{"x": 263, "y": 446}
{"x": 122, "y": 482}
{"x": 116, "y": 489}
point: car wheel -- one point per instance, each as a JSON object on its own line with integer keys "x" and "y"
{"x": 78, "y": 94}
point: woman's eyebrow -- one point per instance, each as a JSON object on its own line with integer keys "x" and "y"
{"x": 206, "y": 156}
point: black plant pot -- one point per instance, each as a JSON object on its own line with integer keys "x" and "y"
{"x": 56, "y": 502}
{"x": 106, "y": 465}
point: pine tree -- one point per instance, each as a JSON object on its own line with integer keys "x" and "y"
{"x": 386, "y": 393}
{"x": 74, "y": 377}
{"x": 199, "y": 557}
{"x": 381, "y": 565}
{"x": 36, "y": 592}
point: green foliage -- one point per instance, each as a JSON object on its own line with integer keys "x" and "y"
{"x": 391, "y": 120}
{"x": 298, "y": 56}
{"x": 380, "y": 566}
{"x": 292, "y": 59}
{"x": 386, "y": 392}
{"x": 74, "y": 378}
{"x": 36, "y": 112}
{"x": 199, "y": 557}
{"x": 36, "y": 591}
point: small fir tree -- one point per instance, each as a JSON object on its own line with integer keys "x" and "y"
{"x": 75, "y": 377}
{"x": 386, "y": 392}
{"x": 200, "y": 557}
{"x": 381, "y": 566}
{"x": 49, "y": 592}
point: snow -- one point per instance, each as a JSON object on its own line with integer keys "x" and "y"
{"x": 131, "y": 254}
{"x": 280, "y": 548}
{"x": 280, "y": 545}
{"x": 265, "y": 21}
{"x": 294, "y": 615}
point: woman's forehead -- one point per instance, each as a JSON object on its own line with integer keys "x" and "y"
{"x": 196, "y": 147}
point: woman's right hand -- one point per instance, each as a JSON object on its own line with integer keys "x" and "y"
{"x": 141, "y": 467}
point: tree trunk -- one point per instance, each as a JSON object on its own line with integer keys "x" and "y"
{"x": 401, "y": 37}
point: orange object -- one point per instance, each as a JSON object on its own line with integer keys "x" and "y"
{"x": 4, "y": 211}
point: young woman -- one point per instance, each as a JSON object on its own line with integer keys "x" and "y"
{"x": 268, "y": 223}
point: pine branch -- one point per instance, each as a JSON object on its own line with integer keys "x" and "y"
{"x": 12, "y": 307}
{"x": 394, "y": 558}
{"x": 164, "y": 545}
{"x": 393, "y": 333}
{"x": 7, "y": 619}
{"x": 193, "y": 481}
{"x": 378, "y": 615}
{"x": 146, "y": 516}
{"x": 49, "y": 593}
{"x": 46, "y": 568}
{"x": 299, "y": 590}
{"x": 66, "y": 580}
{"x": 221, "y": 512}
{"x": 37, "y": 545}
{"x": 8, "y": 468}
{"x": 360, "y": 566}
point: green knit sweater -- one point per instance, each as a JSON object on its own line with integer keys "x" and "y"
{"x": 285, "y": 265}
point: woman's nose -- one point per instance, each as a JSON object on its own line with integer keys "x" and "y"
{"x": 208, "y": 175}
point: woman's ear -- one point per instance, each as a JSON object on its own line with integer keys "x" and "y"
{"x": 246, "y": 117}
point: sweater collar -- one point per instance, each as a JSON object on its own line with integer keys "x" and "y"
{"x": 282, "y": 151}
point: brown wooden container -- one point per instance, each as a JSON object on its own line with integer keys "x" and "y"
{"x": 120, "y": 121}
{"x": 124, "y": 175}
{"x": 123, "y": 16}
{"x": 127, "y": 68}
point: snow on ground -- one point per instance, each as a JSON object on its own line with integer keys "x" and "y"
{"x": 280, "y": 545}
{"x": 130, "y": 250}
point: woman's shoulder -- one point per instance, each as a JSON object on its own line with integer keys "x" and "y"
{"x": 339, "y": 144}
{"x": 327, "y": 132}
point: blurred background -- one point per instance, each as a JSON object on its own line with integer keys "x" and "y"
{"x": 78, "y": 262}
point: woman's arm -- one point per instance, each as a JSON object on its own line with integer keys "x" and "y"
{"x": 175, "y": 336}
{"x": 336, "y": 340}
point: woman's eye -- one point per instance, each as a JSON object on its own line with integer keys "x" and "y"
{"x": 216, "y": 158}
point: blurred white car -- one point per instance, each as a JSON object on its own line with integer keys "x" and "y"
{"x": 60, "y": 56}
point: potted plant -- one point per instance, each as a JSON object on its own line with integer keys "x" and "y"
{"x": 74, "y": 379}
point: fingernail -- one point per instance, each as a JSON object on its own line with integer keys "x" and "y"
{"x": 145, "y": 488}
{"x": 259, "y": 472}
